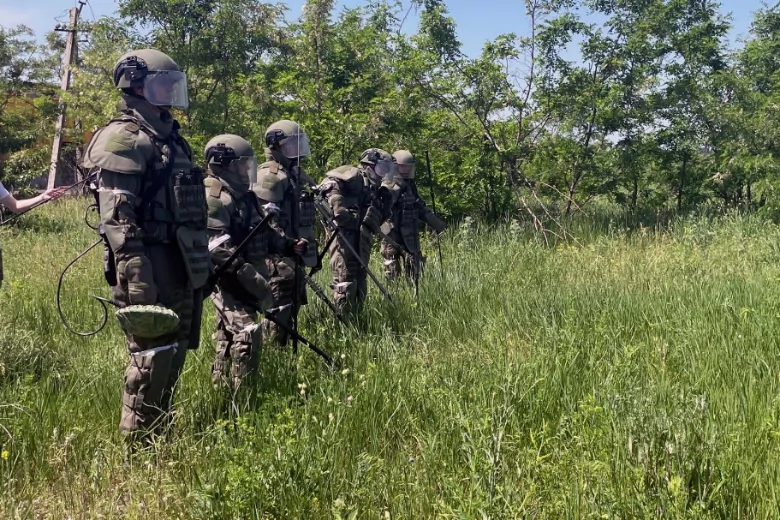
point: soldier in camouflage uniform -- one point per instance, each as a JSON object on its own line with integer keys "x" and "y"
{"x": 244, "y": 290}
{"x": 360, "y": 204}
{"x": 281, "y": 180}
{"x": 153, "y": 219}
{"x": 403, "y": 226}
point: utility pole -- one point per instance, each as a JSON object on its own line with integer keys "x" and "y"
{"x": 69, "y": 57}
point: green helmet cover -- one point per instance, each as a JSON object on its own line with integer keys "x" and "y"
{"x": 164, "y": 83}
{"x": 404, "y": 163}
{"x": 287, "y": 137}
{"x": 380, "y": 164}
{"x": 231, "y": 158}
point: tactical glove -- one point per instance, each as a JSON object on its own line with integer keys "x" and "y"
{"x": 304, "y": 246}
{"x": 373, "y": 219}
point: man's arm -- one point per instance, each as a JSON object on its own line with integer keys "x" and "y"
{"x": 428, "y": 216}
{"x": 344, "y": 218}
{"x": 119, "y": 195}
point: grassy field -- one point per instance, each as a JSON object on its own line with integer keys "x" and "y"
{"x": 633, "y": 374}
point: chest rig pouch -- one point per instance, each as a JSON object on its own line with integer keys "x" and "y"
{"x": 190, "y": 214}
{"x": 306, "y": 210}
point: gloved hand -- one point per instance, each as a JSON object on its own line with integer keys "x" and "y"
{"x": 301, "y": 246}
{"x": 141, "y": 289}
{"x": 373, "y": 219}
{"x": 271, "y": 208}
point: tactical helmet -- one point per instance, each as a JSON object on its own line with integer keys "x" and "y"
{"x": 382, "y": 163}
{"x": 404, "y": 164}
{"x": 287, "y": 137}
{"x": 230, "y": 149}
{"x": 164, "y": 84}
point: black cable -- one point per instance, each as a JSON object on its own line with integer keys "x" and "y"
{"x": 59, "y": 292}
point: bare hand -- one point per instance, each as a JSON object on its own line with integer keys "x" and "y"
{"x": 54, "y": 193}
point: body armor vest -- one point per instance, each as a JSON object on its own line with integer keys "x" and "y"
{"x": 355, "y": 189}
{"x": 288, "y": 193}
{"x": 172, "y": 207}
{"x": 406, "y": 218}
{"x": 244, "y": 213}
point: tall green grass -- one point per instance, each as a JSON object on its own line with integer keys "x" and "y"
{"x": 633, "y": 374}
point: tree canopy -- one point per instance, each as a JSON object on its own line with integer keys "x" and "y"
{"x": 649, "y": 107}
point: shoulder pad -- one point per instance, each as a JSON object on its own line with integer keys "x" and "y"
{"x": 343, "y": 173}
{"x": 326, "y": 185}
{"x": 390, "y": 184}
{"x": 271, "y": 182}
{"x": 271, "y": 166}
{"x": 220, "y": 201}
{"x": 213, "y": 186}
{"x": 121, "y": 147}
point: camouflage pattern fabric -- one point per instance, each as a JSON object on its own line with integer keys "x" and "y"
{"x": 238, "y": 339}
{"x": 277, "y": 184}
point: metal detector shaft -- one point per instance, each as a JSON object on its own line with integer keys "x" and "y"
{"x": 322, "y": 296}
{"x": 270, "y": 315}
{"x": 320, "y": 293}
{"x": 433, "y": 205}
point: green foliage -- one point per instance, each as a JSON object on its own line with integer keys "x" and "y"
{"x": 630, "y": 373}
{"x": 646, "y": 107}
{"x": 27, "y": 103}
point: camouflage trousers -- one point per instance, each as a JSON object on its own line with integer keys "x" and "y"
{"x": 155, "y": 364}
{"x": 396, "y": 260}
{"x": 282, "y": 283}
{"x": 238, "y": 339}
{"x": 350, "y": 285}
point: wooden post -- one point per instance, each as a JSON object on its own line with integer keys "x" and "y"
{"x": 71, "y": 47}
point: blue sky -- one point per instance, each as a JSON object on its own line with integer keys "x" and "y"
{"x": 477, "y": 21}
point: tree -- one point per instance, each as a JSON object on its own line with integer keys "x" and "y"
{"x": 27, "y": 103}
